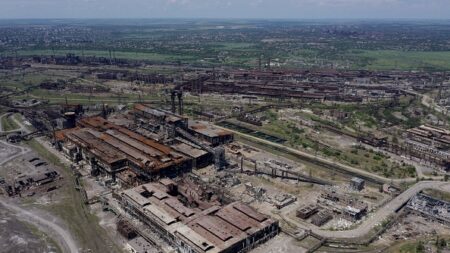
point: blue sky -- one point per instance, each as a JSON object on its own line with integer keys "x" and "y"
{"x": 292, "y": 9}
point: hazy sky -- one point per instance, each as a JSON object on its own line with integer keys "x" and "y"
{"x": 298, "y": 9}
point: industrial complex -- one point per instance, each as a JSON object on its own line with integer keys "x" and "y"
{"x": 118, "y": 154}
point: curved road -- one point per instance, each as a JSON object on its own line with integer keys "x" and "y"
{"x": 64, "y": 238}
{"x": 21, "y": 128}
{"x": 23, "y": 151}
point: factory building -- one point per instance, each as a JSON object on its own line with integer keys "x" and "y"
{"x": 430, "y": 135}
{"x": 109, "y": 149}
{"x": 171, "y": 124}
{"x": 155, "y": 120}
{"x": 194, "y": 221}
{"x": 206, "y": 132}
{"x": 430, "y": 143}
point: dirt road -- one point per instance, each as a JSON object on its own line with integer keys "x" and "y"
{"x": 60, "y": 235}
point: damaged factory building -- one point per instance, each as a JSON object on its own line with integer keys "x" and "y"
{"x": 149, "y": 153}
{"x": 194, "y": 221}
{"x": 110, "y": 148}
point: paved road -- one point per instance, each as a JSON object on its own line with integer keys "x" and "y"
{"x": 62, "y": 236}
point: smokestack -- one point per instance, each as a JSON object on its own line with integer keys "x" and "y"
{"x": 172, "y": 97}
{"x": 180, "y": 102}
{"x": 105, "y": 111}
{"x": 259, "y": 63}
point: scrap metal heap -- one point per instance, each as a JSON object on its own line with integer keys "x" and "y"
{"x": 430, "y": 207}
{"x": 193, "y": 219}
{"x": 43, "y": 178}
{"x": 349, "y": 208}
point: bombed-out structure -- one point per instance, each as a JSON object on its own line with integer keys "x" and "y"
{"x": 109, "y": 148}
{"x": 194, "y": 220}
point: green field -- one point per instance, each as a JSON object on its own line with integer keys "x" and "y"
{"x": 442, "y": 195}
{"x": 401, "y": 60}
{"x": 242, "y": 54}
{"x": 105, "y": 53}
{"x": 8, "y": 124}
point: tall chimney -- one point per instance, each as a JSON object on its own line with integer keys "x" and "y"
{"x": 172, "y": 97}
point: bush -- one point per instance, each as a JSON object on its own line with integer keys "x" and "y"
{"x": 377, "y": 157}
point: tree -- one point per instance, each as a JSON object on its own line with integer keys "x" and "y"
{"x": 420, "y": 247}
{"x": 442, "y": 243}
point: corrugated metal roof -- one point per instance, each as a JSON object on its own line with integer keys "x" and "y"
{"x": 160, "y": 214}
{"x": 196, "y": 239}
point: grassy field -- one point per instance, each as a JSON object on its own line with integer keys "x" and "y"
{"x": 315, "y": 170}
{"x": 401, "y": 60}
{"x": 233, "y": 45}
{"x": 82, "y": 224}
{"x": 8, "y": 124}
{"x": 22, "y": 81}
{"x": 419, "y": 246}
{"x": 438, "y": 194}
{"x": 358, "y": 157}
{"x": 245, "y": 55}
{"x": 105, "y": 53}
